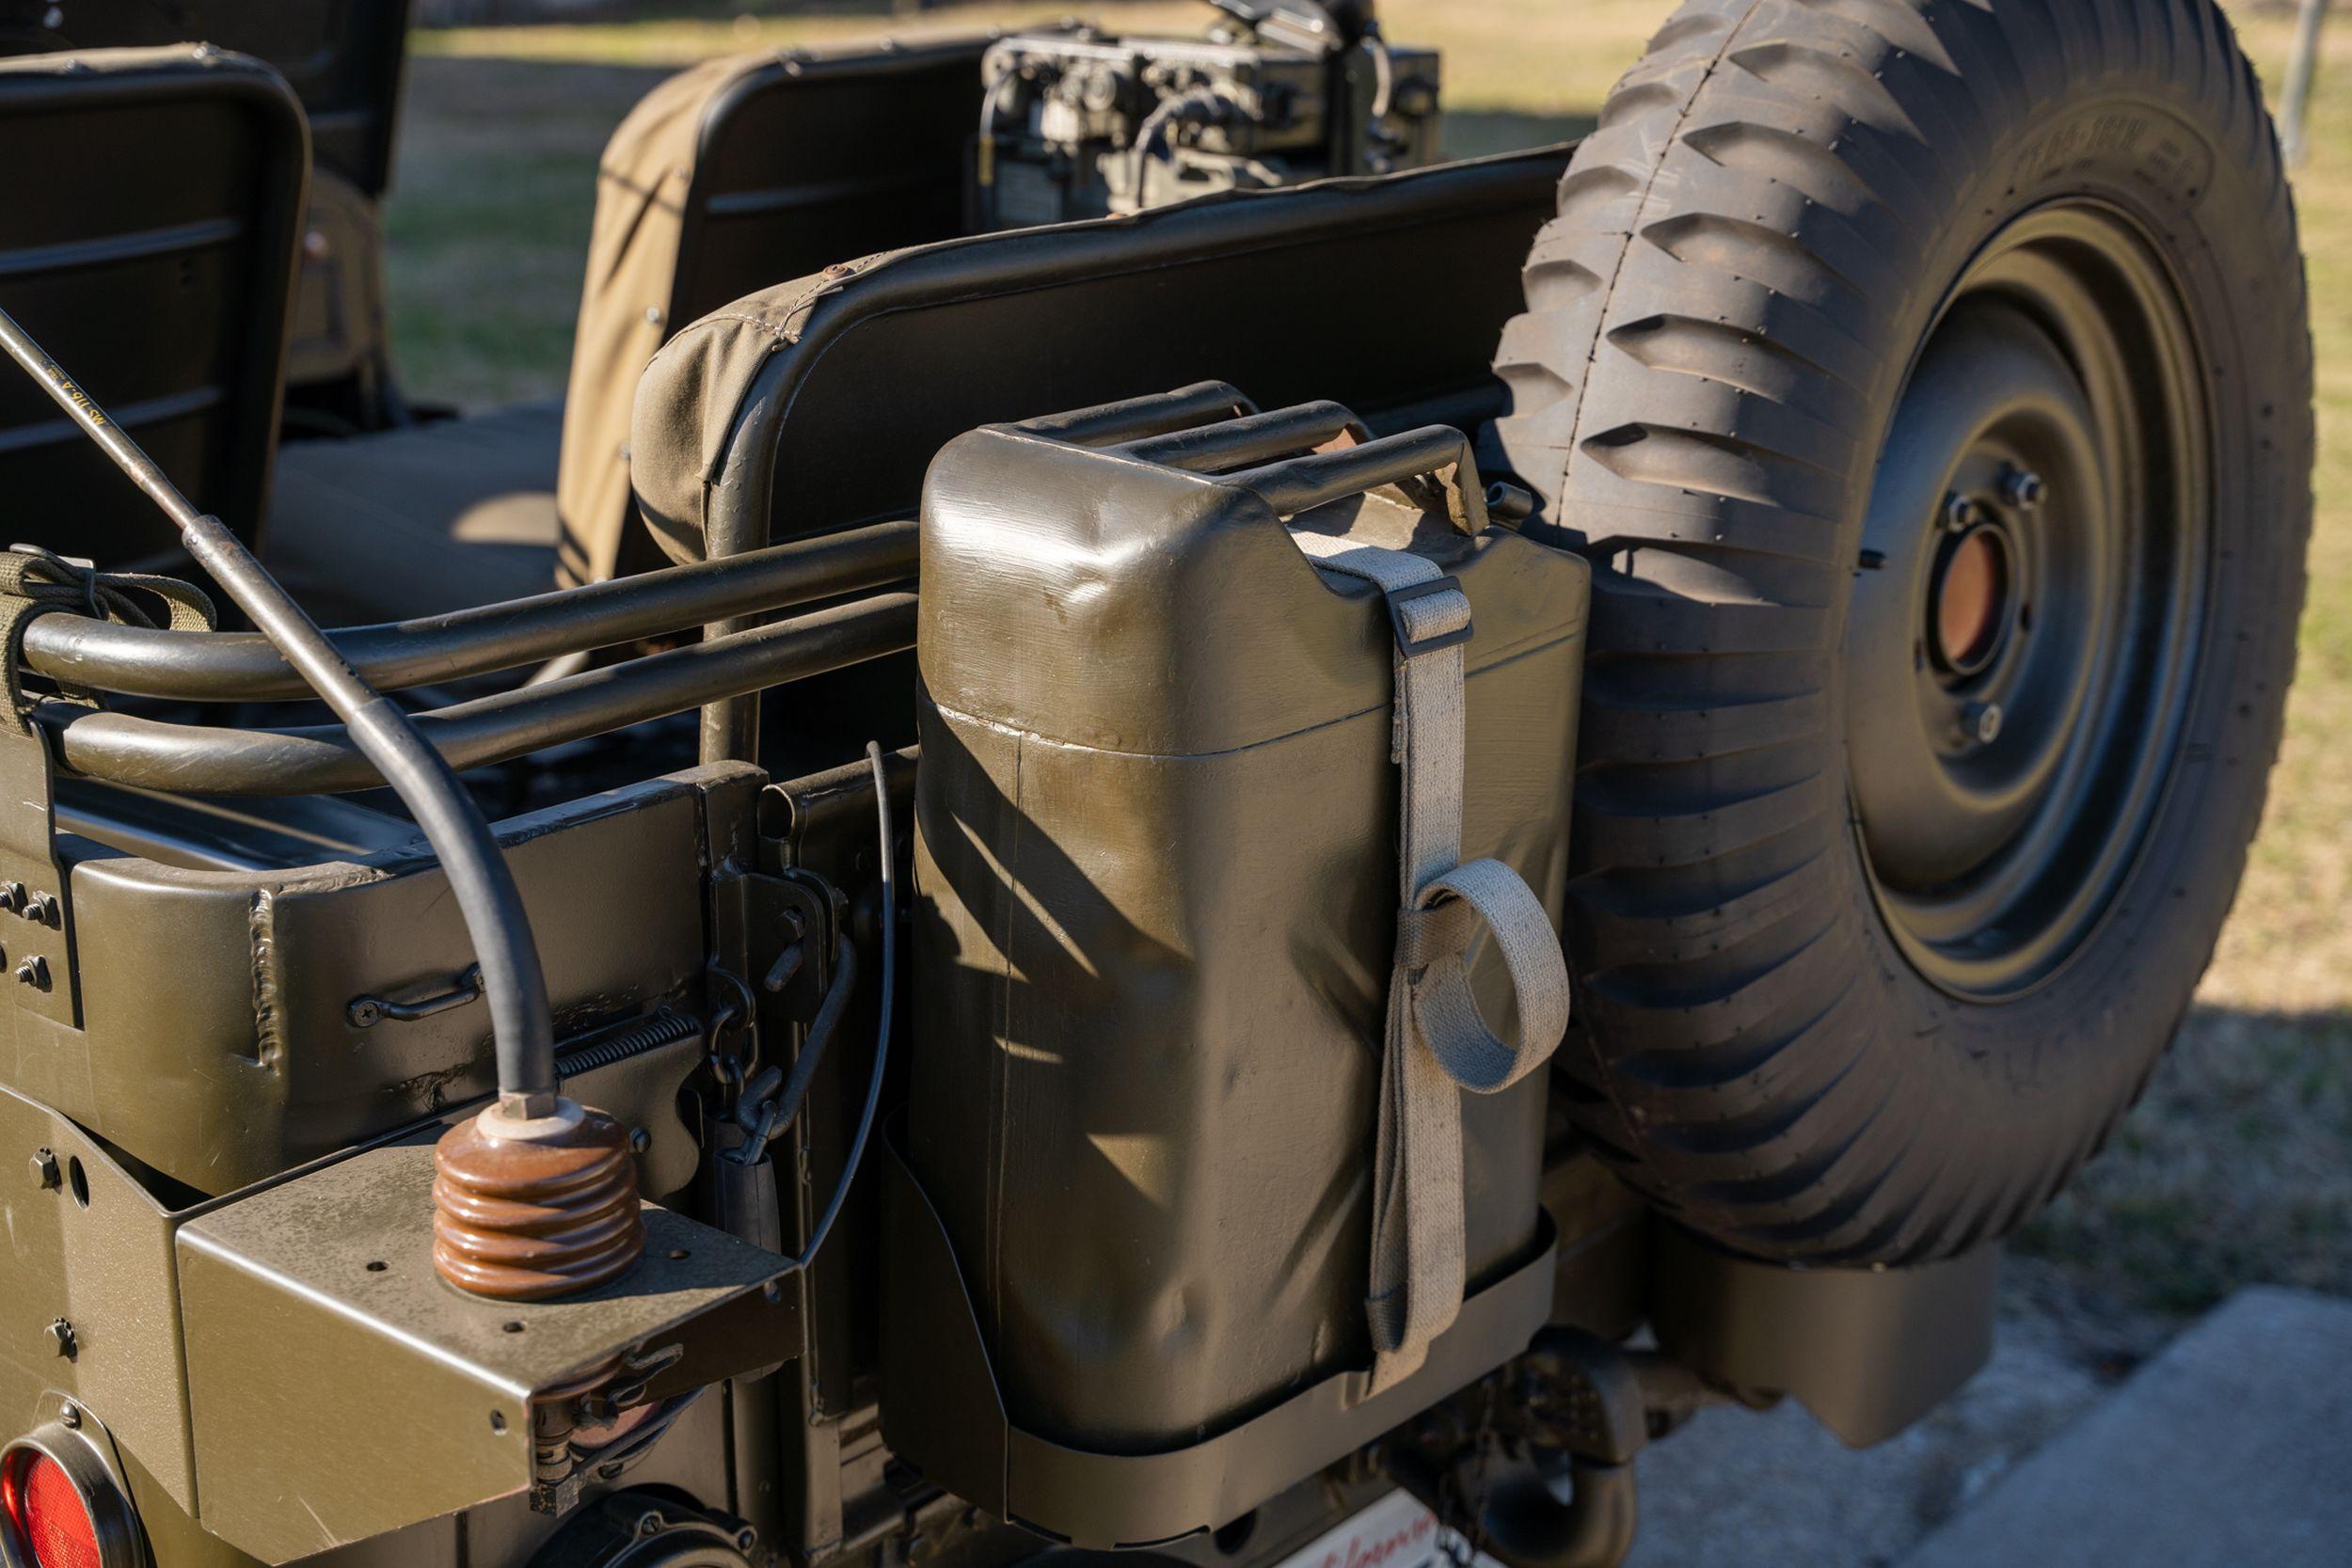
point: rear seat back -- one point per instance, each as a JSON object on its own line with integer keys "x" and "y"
{"x": 820, "y": 404}
{"x": 726, "y": 177}
{"x": 153, "y": 202}
{"x": 341, "y": 57}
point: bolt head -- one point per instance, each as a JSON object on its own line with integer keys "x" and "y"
{"x": 1960, "y": 512}
{"x": 34, "y": 972}
{"x": 45, "y": 1176}
{"x": 70, "y": 1416}
{"x": 61, "y": 1333}
{"x": 1981, "y": 723}
{"x": 2023, "y": 489}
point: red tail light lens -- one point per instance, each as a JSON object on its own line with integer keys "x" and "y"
{"x": 45, "y": 1512}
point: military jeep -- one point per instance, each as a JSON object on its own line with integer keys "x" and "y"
{"x": 1153, "y": 825}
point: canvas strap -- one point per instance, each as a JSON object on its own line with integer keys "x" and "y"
{"x": 1436, "y": 1043}
{"x": 36, "y": 583}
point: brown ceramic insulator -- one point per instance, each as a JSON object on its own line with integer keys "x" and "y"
{"x": 522, "y": 1219}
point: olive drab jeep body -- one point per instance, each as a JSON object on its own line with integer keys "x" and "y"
{"x": 1152, "y": 826}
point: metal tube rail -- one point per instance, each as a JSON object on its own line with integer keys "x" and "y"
{"x": 141, "y": 661}
{"x": 1252, "y": 438}
{"x": 523, "y": 1031}
{"x": 326, "y": 759}
{"x": 1132, "y": 419}
{"x": 1303, "y": 483}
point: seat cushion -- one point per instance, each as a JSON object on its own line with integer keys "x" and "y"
{"x": 419, "y": 522}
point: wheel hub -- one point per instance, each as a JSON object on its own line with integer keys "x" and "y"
{"x": 2016, "y": 653}
{"x": 1971, "y": 606}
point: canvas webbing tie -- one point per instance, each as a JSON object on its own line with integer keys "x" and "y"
{"x": 34, "y": 582}
{"x": 1437, "y": 1044}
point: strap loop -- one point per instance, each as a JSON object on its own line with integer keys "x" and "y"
{"x": 1426, "y": 935}
{"x": 1436, "y": 1044}
{"x": 1489, "y": 892}
{"x": 1429, "y": 617}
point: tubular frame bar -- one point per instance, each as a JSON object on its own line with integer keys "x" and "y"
{"x": 141, "y": 661}
{"x": 324, "y": 759}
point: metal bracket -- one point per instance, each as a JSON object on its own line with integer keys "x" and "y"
{"x": 777, "y": 928}
{"x": 328, "y": 1272}
{"x": 35, "y": 900}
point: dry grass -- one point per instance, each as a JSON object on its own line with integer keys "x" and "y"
{"x": 2238, "y": 1165}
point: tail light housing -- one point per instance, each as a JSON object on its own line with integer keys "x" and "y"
{"x": 60, "y": 1505}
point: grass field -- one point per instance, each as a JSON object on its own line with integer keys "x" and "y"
{"x": 2238, "y": 1164}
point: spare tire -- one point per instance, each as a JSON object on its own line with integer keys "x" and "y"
{"x": 1930, "y": 386}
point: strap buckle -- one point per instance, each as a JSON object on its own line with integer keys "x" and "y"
{"x": 1407, "y": 646}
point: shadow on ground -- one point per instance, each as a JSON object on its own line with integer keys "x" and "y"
{"x": 2232, "y": 1171}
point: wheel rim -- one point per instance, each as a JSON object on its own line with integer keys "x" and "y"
{"x": 2020, "y": 643}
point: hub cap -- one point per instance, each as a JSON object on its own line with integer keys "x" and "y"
{"x": 2018, "y": 663}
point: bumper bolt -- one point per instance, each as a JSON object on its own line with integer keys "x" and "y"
{"x": 2023, "y": 489}
{"x": 1981, "y": 723}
